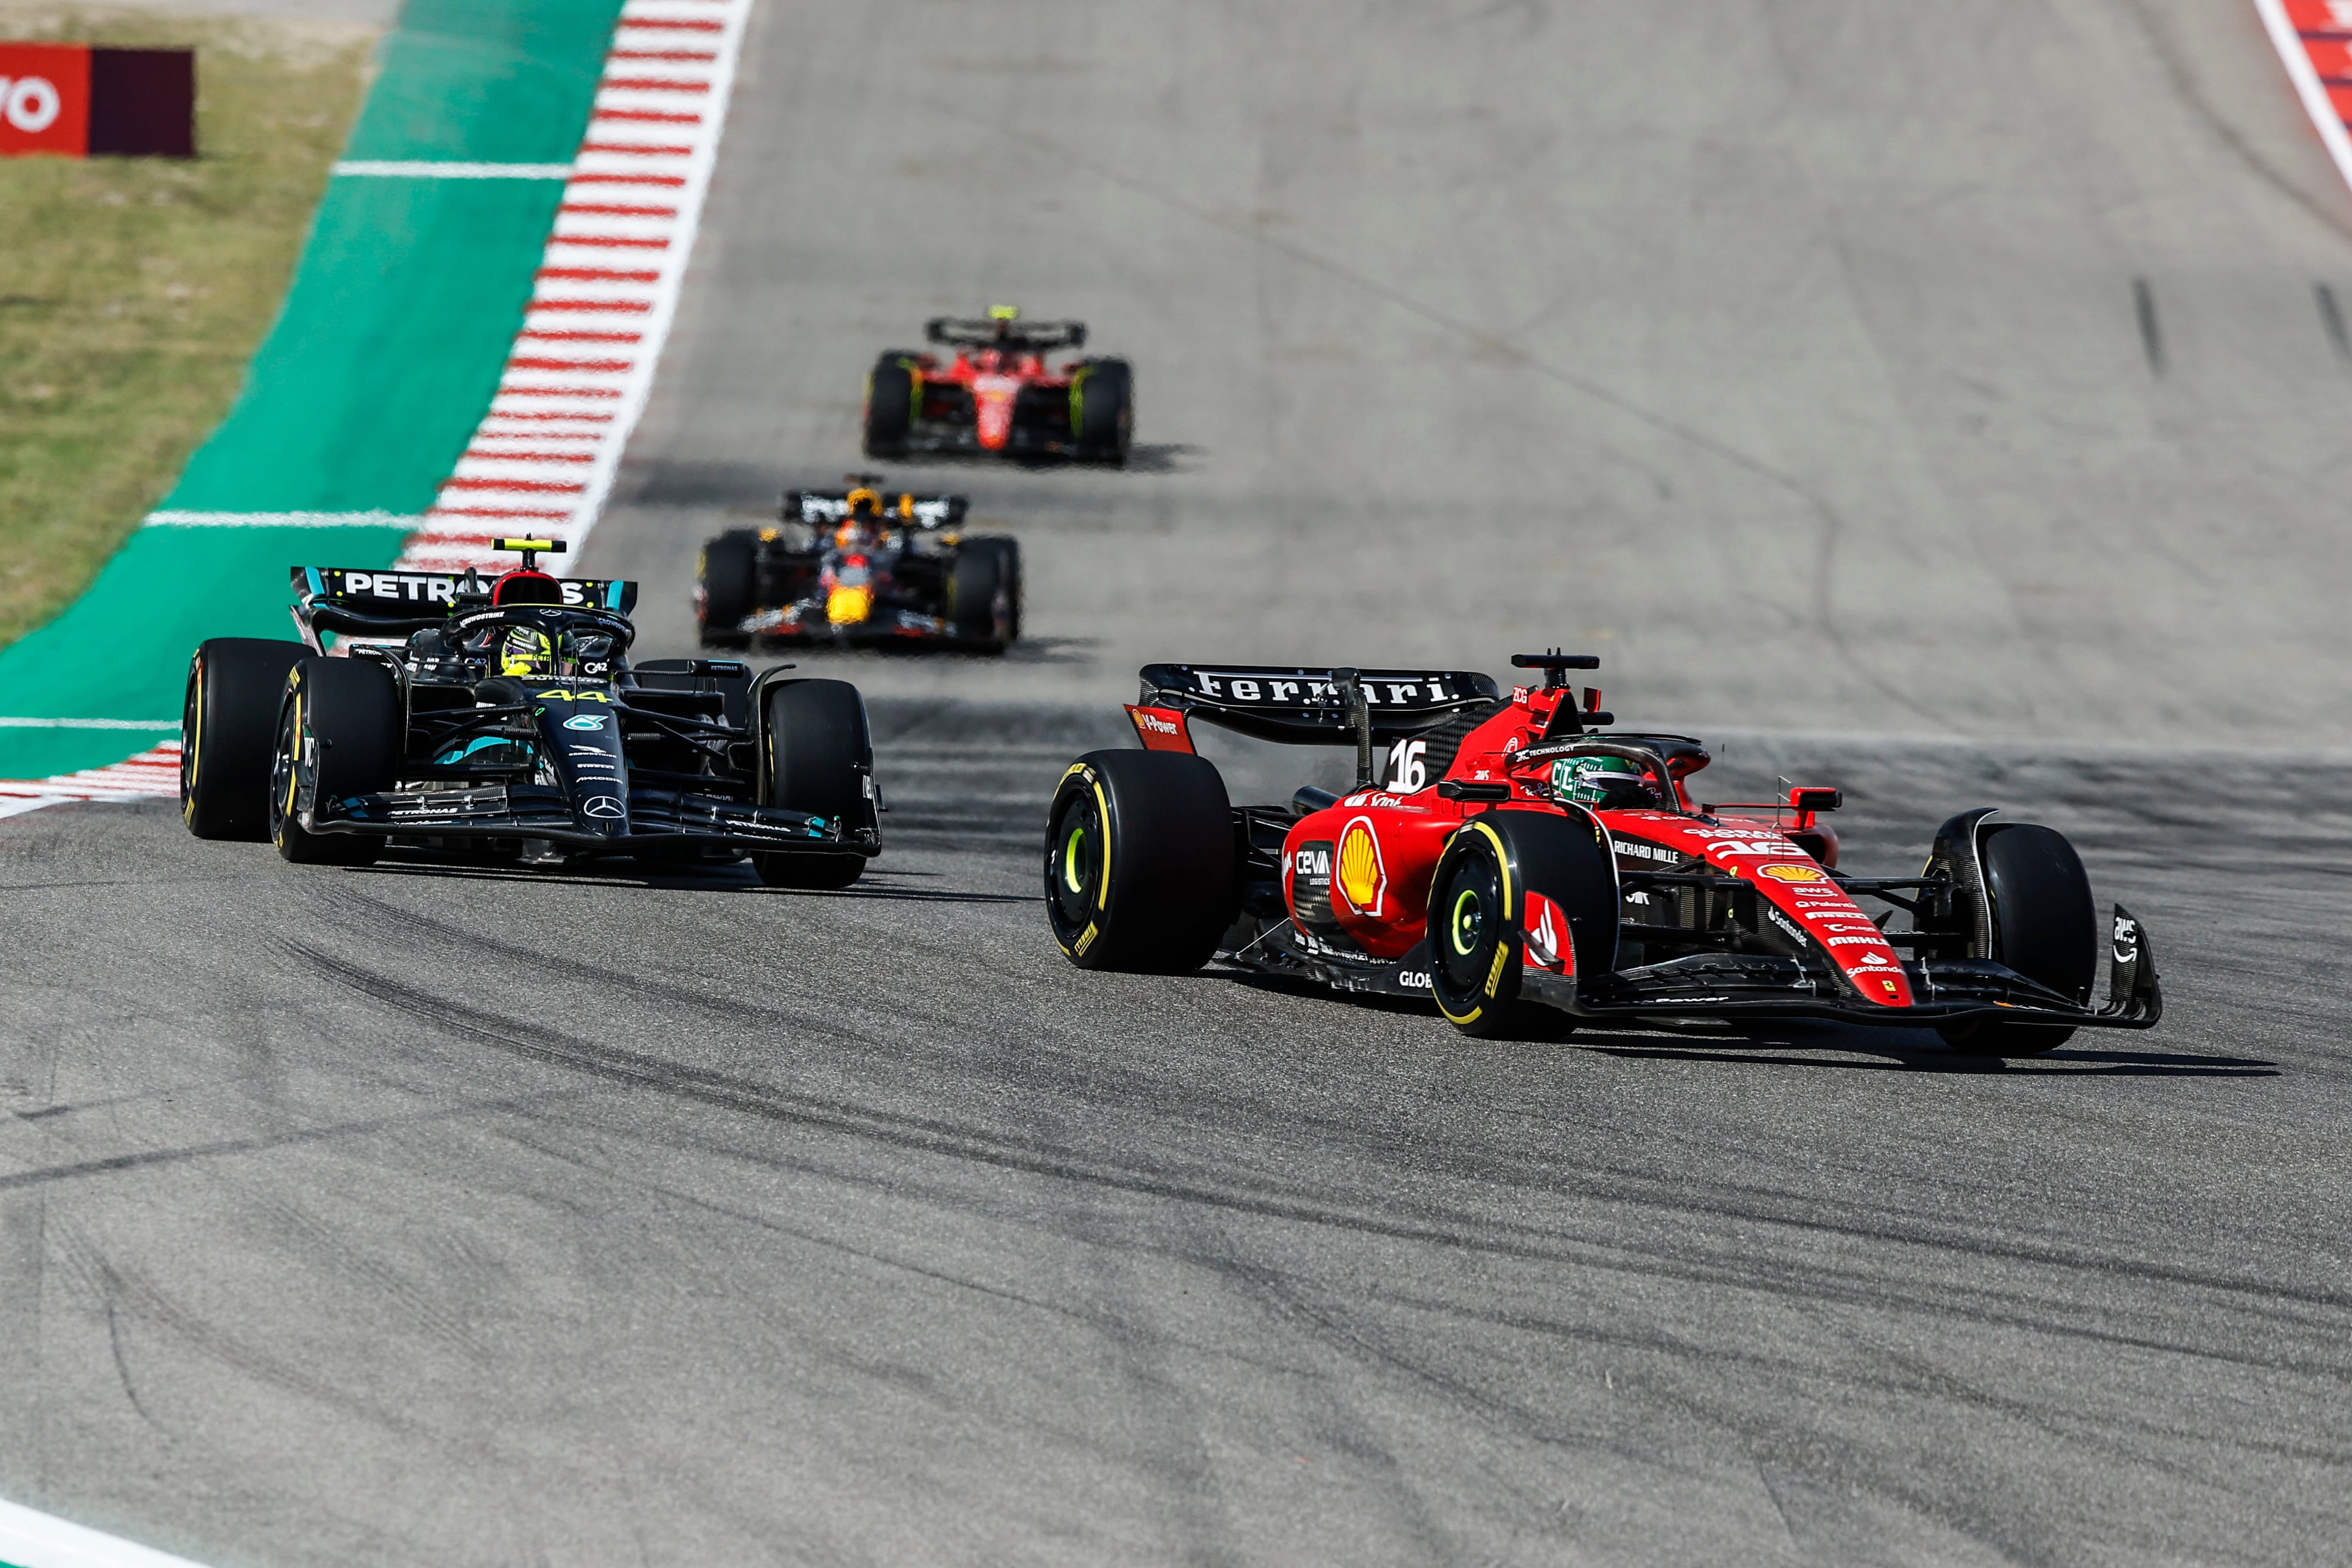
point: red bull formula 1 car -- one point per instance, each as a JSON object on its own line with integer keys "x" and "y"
{"x": 998, "y": 393}
{"x": 505, "y": 721}
{"x": 861, "y": 568}
{"x": 1510, "y": 850}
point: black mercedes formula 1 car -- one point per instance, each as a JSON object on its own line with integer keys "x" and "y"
{"x": 504, "y": 720}
{"x": 1499, "y": 851}
{"x": 998, "y": 394}
{"x": 861, "y": 568}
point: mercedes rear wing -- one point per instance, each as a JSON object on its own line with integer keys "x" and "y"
{"x": 356, "y": 602}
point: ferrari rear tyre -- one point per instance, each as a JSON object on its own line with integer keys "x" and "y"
{"x": 819, "y": 758}
{"x": 1139, "y": 862}
{"x": 986, "y": 570}
{"x": 1102, "y": 410}
{"x": 726, "y": 589}
{"x": 228, "y": 734}
{"x": 1478, "y": 911}
{"x": 2045, "y": 927}
{"x": 890, "y": 388}
{"x": 341, "y": 733}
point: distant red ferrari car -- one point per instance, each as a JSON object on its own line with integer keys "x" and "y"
{"x": 1507, "y": 854}
{"x": 999, "y": 393}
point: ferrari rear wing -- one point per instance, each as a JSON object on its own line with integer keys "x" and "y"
{"x": 833, "y": 505}
{"x": 1306, "y": 707}
{"x": 1001, "y": 332}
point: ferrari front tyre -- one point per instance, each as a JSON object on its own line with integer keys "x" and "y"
{"x": 1139, "y": 862}
{"x": 726, "y": 589}
{"x": 818, "y": 759}
{"x": 1102, "y": 410}
{"x": 228, "y": 734}
{"x": 1478, "y": 910}
{"x": 2045, "y": 927}
{"x": 340, "y": 734}
{"x": 891, "y": 388}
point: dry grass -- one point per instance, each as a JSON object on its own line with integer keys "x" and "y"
{"x": 133, "y": 292}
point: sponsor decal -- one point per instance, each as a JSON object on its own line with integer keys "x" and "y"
{"x": 1153, "y": 722}
{"x": 1363, "y": 878}
{"x": 1413, "y": 979}
{"x": 1545, "y": 929}
{"x": 1851, "y": 941}
{"x": 1793, "y": 873}
{"x": 1086, "y": 938}
{"x": 1784, "y": 923}
{"x": 1371, "y": 799}
{"x": 1640, "y": 850}
{"x": 585, "y": 721}
{"x": 2126, "y": 940}
{"x": 1306, "y": 690}
{"x": 606, "y": 806}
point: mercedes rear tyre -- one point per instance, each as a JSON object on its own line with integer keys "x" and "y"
{"x": 984, "y": 592}
{"x": 890, "y": 393}
{"x": 1514, "y": 888}
{"x": 1139, "y": 862}
{"x": 818, "y": 758}
{"x": 1102, "y": 410}
{"x": 228, "y": 734}
{"x": 726, "y": 589}
{"x": 2045, "y": 927}
{"x": 340, "y": 733}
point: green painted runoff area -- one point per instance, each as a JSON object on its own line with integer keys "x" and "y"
{"x": 407, "y": 297}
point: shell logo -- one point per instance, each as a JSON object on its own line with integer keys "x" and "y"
{"x": 1793, "y": 873}
{"x": 1361, "y": 877}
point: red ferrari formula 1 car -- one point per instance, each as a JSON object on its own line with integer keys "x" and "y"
{"x": 998, "y": 394}
{"x": 1511, "y": 849}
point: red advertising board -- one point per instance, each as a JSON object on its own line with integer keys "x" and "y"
{"x": 77, "y": 101}
{"x": 44, "y": 99}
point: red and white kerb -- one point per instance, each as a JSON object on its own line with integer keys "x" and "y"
{"x": 542, "y": 459}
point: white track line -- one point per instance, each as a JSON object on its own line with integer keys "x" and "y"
{"x": 542, "y": 459}
{"x": 280, "y": 521}
{"x": 31, "y": 1540}
{"x": 390, "y": 169}
{"x": 2296, "y": 55}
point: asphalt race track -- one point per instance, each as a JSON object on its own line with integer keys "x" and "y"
{"x": 1787, "y": 355}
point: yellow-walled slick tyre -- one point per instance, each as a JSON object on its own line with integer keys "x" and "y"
{"x": 228, "y": 734}
{"x": 1477, "y": 905}
{"x": 1139, "y": 862}
{"x": 820, "y": 759}
{"x": 339, "y": 734}
{"x": 2045, "y": 925}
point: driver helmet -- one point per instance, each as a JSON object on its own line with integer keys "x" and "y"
{"x": 526, "y": 650}
{"x": 1611, "y": 781}
{"x": 864, "y": 522}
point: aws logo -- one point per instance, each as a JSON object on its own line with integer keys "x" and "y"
{"x": 1364, "y": 880}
